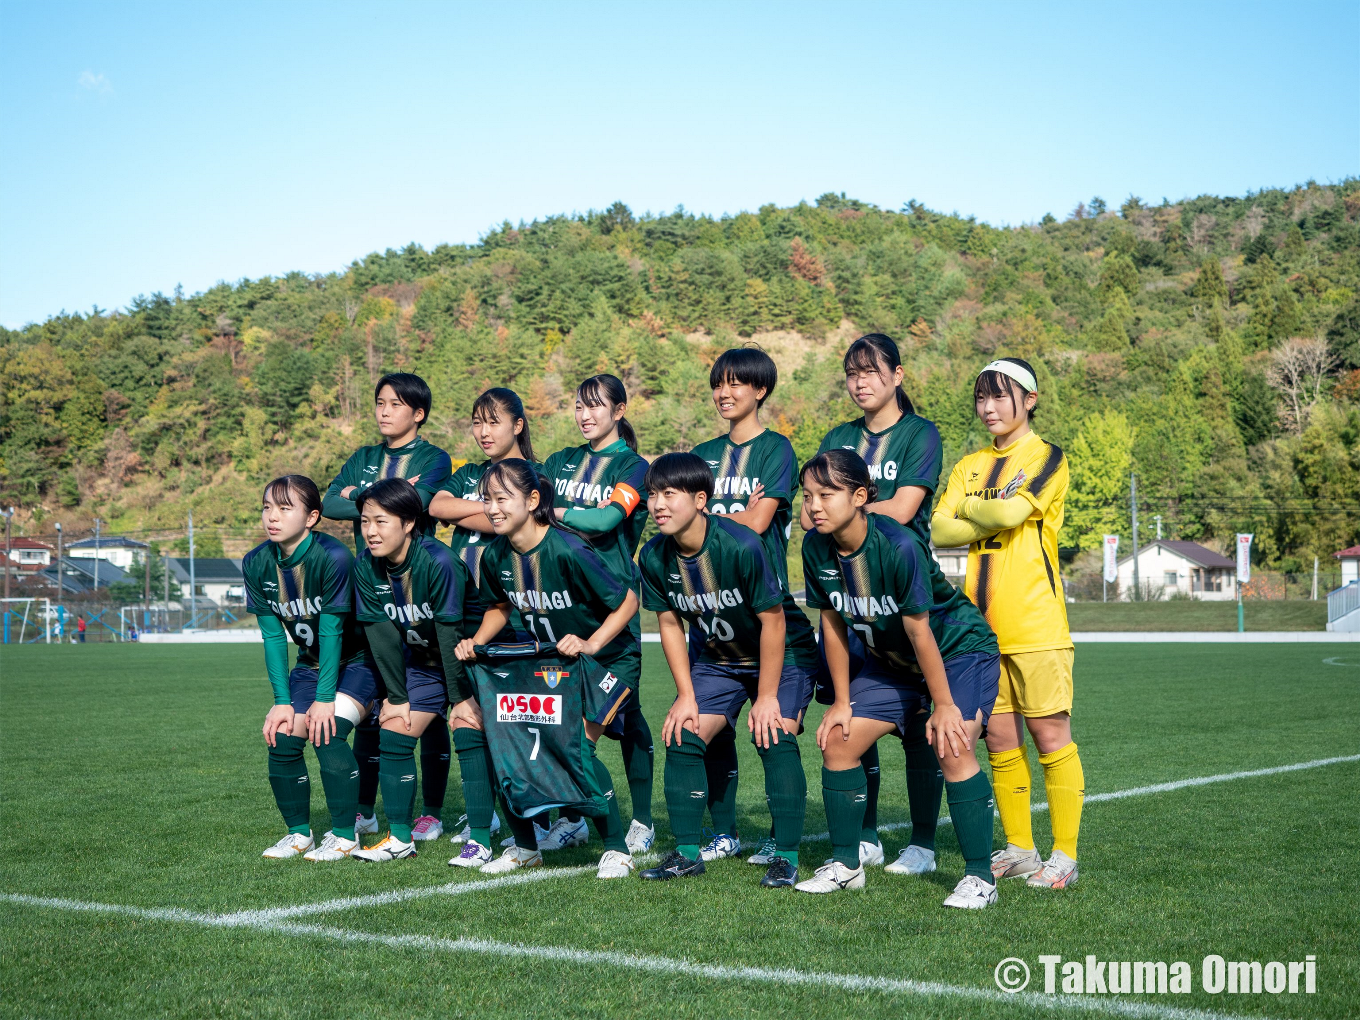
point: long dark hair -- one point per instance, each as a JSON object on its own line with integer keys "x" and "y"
{"x": 840, "y": 469}
{"x": 520, "y": 476}
{"x": 294, "y": 490}
{"x": 607, "y": 390}
{"x": 499, "y": 400}
{"x": 998, "y": 384}
{"x": 873, "y": 351}
{"x": 396, "y": 496}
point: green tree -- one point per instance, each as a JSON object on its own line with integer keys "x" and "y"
{"x": 1099, "y": 461}
{"x": 1209, "y": 285}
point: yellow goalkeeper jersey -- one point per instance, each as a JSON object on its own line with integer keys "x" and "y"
{"x": 1013, "y": 576}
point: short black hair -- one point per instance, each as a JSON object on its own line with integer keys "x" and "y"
{"x": 396, "y": 496}
{"x": 749, "y": 365}
{"x": 410, "y": 389}
{"x": 839, "y": 469}
{"x": 687, "y": 472}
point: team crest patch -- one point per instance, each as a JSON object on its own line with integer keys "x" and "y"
{"x": 552, "y": 677}
{"x": 607, "y": 684}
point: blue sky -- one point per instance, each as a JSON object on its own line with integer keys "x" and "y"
{"x": 151, "y": 145}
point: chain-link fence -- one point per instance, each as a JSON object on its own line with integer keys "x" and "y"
{"x": 1265, "y": 585}
{"x": 111, "y": 622}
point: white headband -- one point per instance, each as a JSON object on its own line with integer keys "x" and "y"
{"x": 1020, "y": 375}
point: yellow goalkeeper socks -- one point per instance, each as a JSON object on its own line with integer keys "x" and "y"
{"x": 1011, "y": 783}
{"x": 1066, "y": 787}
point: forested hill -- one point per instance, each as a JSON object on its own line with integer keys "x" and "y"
{"x": 1213, "y": 344}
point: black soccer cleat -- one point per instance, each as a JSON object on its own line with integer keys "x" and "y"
{"x": 781, "y": 874}
{"x": 674, "y": 865}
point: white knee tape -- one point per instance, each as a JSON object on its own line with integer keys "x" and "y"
{"x": 348, "y": 709}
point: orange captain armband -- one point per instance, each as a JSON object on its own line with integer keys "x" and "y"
{"x": 625, "y": 496}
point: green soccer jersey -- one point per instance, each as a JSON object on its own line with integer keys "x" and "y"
{"x": 892, "y": 575}
{"x": 583, "y": 478}
{"x": 428, "y": 588}
{"x": 559, "y": 587}
{"x": 369, "y": 464}
{"x": 318, "y": 578}
{"x": 907, "y": 453}
{"x": 719, "y": 592}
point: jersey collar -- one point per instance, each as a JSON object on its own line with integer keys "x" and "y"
{"x": 404, "y": 449}
{"x": 863, "y": 424}
{"x": 709, "y": 527}
{"x": 738, "y": 446}
{"x": 298, "y": 553}
{"x": 617, "y": 446}
{"x": 1015, "y": 446}
{"x": 868, "y": 534}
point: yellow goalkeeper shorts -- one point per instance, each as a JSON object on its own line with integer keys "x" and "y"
{"x": 1035, "y": 684}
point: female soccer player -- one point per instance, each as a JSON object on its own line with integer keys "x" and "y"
{"x": 596, "y": 494}
{"x": 1006, "y": 503}
{"x": 501, "y": 429}
{"x": 411, "y": 590}
{"x": 713, "y": 574}
{"x": 903, "y": 453}
{"x": 565, "y": 595}
{"x": 754, "y": 471}
{"x": 300, "y": 584}
{"x": 401, "y": 406}
{"x": 924, "y": 643}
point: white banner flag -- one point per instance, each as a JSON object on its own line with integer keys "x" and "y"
{"x": 1111, "y": 555}
{"x": 1244, "y": 558}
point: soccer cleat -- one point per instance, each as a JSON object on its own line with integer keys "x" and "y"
{"x": 332, "y": 848}
{"x": 833, "y": 877}
{"x": 474, "y": 855}
{"x": 564, "y": 834}
{"x": 781, "y": 874}
{"x": 1013, "y": 862}
{"x": 764, "y": 855}
{"x": 870, "y": 854}
{"x": 1058, "y": 872}
{"x": 389, "y": 848}
{"x": 512, "y": 859}
{"x": 427, "y": 827}
{"x": 465, "y": 831}
{"x": 972, "y": 893}
{"x": 674, "y": 865}
{"x": 615, "y": 864}
{"x": 913, "y": 860}
{"x": 640, "y": 837}
{"x": 290, "y": 846}
{"x": 719, "y": 847}
{"x": 366, "y": 825}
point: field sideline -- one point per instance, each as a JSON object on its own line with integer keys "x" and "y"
{"x": 136, "y": 803}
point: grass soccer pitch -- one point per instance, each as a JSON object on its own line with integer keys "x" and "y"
{"x": 136, "y": 804}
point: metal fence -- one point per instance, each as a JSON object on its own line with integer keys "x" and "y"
{"x": 1264, "y": 585}
{"x": 1342, "y": 601}
{"x": 110, "y": 622}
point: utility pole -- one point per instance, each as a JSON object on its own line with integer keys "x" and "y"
{"x": 193, "y": 588}
{"x": 9, "y": 516}
{"x": 97, "y": 525}
{"x": 1133, "y": 502}
{"x": 1159, "y": 526}
{"x": 60, "y": 589}
{"x": 165, "y": 566}
{"x": 146, "y": 591}
{"x": 1315, "y": 566}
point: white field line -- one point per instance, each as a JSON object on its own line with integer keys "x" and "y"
{"x": 631, "y": 963}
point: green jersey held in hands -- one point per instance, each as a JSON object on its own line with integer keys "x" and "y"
{"x": 428, "y": 588}
{"x": 417, "y": 459}
{"x": 906, "y": 453}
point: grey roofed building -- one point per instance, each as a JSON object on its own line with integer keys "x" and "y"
{"x": 77, "y": 575}
{"x": 207, "y": 570}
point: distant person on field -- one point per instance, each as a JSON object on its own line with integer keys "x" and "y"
{"x": 80, "y": 629}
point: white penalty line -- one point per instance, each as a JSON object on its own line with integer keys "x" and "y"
{"x": 663, "y": 965}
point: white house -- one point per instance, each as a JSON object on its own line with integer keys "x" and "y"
{"x": 27, "y": 555}
{"x": 218, "y": 579}
{"x": 953, "y": 562}
{"x": 117, "y": 549}
{"x": 1181, "y": 567}
{"x": 1350, "y": 564}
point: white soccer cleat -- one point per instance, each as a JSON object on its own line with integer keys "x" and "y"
{"x": 870, "y": 854}
{"x": 474, "y": 855}
{"x": 972, "y": 893}
{"x": 563, "y": 834}
{"x": 512, "y": 859}
{"x": 388, "y": 849}
{"x": 765, "y": 853}
{"x": 719, "y": 847}
{"x": 615, "y": 864}
{"x": 291, "y": 845}
{"x": 1058, "y": 872}
{"x": 640, "y": 838}
{"x": 833, "y": 877}
{"x": 1013, "y": 862}
{"x": 332, "y": 848}
{"x": 464, "y": 833}
{"x": 912, "y": 860}
{"x": 426, "y": 827}
{"x": 366, "y": 825}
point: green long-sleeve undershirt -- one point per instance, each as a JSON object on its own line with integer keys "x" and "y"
{"x": 336, "y": 507}
{"x": 329, "y": 644}
{"x": 276, "y": 657}
{"x": 384, "y": 641}
{"x": 595, "y": 520}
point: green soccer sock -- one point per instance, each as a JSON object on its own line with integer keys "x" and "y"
{"x": 474, "y": 762}
{"x": 523, "y": 831}
{"x": 638, "y": 763}
{"x": 786, "y": 793}
{"x": 610, "y": 824}
{"x": 720, "y": 765}
{"x": 340, "y": 779}
{"x": 872, "y": 777}
{"x": 686, "y": 785}
{"x": 397, "y": 777}
{"x": 843, "y": 795}
{"x": 368, "y": 755}
{"x": 434, "y": 767}
{"x": 970, "y": 806}
{"x": 288, "y": 777}
{"x": 925, "y": 782}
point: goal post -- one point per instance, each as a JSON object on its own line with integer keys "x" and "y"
{"x": 28, "y": 605}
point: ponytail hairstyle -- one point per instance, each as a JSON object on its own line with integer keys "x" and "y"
{"x": 607, "y": 390}
{"x": 396, "y": 496}
{"x": 840, "y": 469}
{"x": 499, "y": 400}
{"x": 294, "y": 490}
{"x": 998, "y": 382}
{"x": 876, "y": 352}
{"x": 519, "y": 476}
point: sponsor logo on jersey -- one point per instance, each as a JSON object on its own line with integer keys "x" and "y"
{"x": 529, "y": 708}
{"x": 705, "y": 601}
{"x": 502, "y": 675}
{"x": 383, "y": 589}
{"x": 712, "y": 463}
{"x": 607, "y": 684}
{"x": 830, "y": 575}
{"x": 865, "y": 608}
{"x": 552, "y": 677}
{"x": 676, "y": 578}
{"x": 371, "y": 469}
{"x": 410, "y": 613}
{"x": 270, "y": 586}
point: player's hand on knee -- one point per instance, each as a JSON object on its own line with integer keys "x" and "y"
{"x": 464, "y": 650}
{"x": 684, "y": 714}
{"x": 946, "y": 732}
{"x": 765, "y": 720}
{"x": 468, "y": 712}
{"x": 401, "y": 712}
{"x": 837, "y": 715}
{"x": 321, "y": 722}
{"x": 280, "y": 717}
